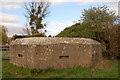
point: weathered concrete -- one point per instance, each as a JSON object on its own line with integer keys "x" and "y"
{"x": 43, "y": 53}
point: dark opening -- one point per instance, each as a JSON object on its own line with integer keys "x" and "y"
{"x": 63, "y": 57}
{"x": 79, "y": 46}
{"x": 47, "y": 47}
{"x": 19, "y": 55}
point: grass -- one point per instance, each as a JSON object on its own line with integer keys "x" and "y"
{"x": 5, "y": 55}
{"x": 13, "y": 71}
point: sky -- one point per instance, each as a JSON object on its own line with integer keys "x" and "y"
{"x": 63, "y": 13}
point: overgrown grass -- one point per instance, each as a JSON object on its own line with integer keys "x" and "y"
{"x": 13, "y": 71}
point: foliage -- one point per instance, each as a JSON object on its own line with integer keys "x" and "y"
{"x": 38, "y": 35}
{"x": 3, "y": 33}
{"x": 113, "y": 39}
{"x": 18, "y": 36}
{"x": 102, "y": 20}
{"x": 99, "y": 18}
{"x": 97, "y": 23}
{"x": 36, "y": 12}
{"x": 77, "y": 30}
{"x": 28, "y": 36}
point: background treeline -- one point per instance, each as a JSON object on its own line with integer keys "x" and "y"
{"x": 110, "y": 44}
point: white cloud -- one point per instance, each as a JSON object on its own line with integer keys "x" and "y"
{"x": 12, "y": 31}
{"x": 59, "y": 24}
{"x": 10, "y": 21}
{"x": 52, "y": 32}
{"x": 11, "y": 5}
{"x": 9, "y": 18}
{"x": 56, "y": 27}
{"x": 62, "y": 0}
{"x": 84, "y": 0}
{"x": 113, "y": 6}
{"x": 53, "y": 29}
{"x": 13, "y": 28}
{"x": 12, "y": 25}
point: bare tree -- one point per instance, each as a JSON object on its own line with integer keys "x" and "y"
{"x": 36, "y": 12}
{"x": 27, "y": 31}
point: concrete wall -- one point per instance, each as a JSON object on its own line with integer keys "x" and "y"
{"x": 55, "y": 55}
{"x": 22, "y": 55}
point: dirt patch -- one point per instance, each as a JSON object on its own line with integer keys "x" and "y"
{"x": 104, "y": 64}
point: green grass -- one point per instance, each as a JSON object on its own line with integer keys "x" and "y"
{"x": 13, "y": 71}
{"x": 5, "y": 55}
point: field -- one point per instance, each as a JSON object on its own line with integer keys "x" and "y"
{"x": 13, "y": 71}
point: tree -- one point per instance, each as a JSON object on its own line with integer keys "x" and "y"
{"x": 99, "y": 19}
{"x": 27, "y": 30}
{"x": 99, "y": 16}
{"x": 98, "y": 23}
{"x": 3, "y": 33}
{"x": 95, "y": 24}
{"x": 36, "y": 12}
{"x": 77, "y": 30}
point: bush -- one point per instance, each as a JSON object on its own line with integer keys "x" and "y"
{"x": 17, "y": 36}
{"x": 38, "y": 35}
{"x": 114, "y": 40}
{"x": 28, "y": 36}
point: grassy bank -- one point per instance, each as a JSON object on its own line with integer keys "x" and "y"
{"x": 13, "y": 71}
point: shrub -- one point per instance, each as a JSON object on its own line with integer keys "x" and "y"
{"x": 28, "y": 36}
{"x": 18, "y": 36}
{"x": 38, "y": 35}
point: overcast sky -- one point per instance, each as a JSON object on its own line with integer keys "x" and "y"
{"x": 63, "y": 13}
